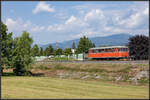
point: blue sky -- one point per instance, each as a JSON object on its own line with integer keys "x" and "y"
{"x": 49, "y": 22}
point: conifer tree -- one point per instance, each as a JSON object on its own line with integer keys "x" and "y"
{"x": 22, "y": 56}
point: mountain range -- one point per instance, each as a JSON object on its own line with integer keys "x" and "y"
{"x": 112, "y": 40}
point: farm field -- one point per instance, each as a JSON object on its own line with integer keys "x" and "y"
{"x": 48, "y": 87}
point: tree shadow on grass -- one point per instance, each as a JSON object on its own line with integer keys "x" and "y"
{"x": 8, "y": 74}
{"x": 12, "y": 74}
{"x": 37, "y": 74}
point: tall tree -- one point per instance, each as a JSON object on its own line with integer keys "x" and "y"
{"x": 22, "y": 54}
{"x": 67, "y": 51}
{"x": 6, "y": 46}
{"x": 49, "y": 50}
{"x": 35, "y": 50}
{"x": 41, "y": 51}
{"x": 138, "y": 47}
{"x": 58, "y": 51}
{"x": 84, "y": 45}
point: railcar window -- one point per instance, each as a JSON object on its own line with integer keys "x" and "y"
{"x": 102, "y": 50}
{"x": 113, "y": 50}
{"x": 106, "y": 50}
{"x": 96, "y": 51}
{"x": 99, "y": 50}
{"x": 127, "y": 49}
{"x": 93, "y": 51}
{"x": 109, "y": 50}
{"x": 119, "y": 49}
{"x": 124, "y": 49}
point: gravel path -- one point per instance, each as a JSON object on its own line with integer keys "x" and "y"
{"x": 123, "y": 62}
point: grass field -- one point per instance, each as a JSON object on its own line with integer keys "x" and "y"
{"x": 47, "y": 87}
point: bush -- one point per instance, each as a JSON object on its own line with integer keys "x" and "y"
{"x": 143, "y": 80}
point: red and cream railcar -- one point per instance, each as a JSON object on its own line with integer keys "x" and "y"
{"x": 109, "y": 52}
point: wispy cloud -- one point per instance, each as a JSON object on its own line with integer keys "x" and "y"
{"x": 42, "y": 7}
{"x": 37, "y": 28}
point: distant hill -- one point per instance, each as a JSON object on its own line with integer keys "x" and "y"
{"x": 112, "y": 40}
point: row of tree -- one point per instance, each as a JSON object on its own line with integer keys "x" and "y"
{"x": 83, "y": 47}
{"x": 36, "y": 51}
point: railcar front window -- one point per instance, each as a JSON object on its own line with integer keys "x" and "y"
{"x": 99, "y": 50}
{"x": 119, "y": 49}
{"x": 102, "y": 50}
{"x": 96, "y": 51}
{"x": 93, "y": 51}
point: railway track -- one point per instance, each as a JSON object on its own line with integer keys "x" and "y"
{"x": 85, "y": 61}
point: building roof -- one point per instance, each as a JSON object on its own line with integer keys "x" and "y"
{"x": 109, "y": 47}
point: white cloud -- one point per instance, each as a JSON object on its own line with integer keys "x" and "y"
{"x": 18, "y": 26}
{"x": 42, "y": 6}
{"x": 95, "y": 14}
{"x": 37, "y": 28}
{"x": 89, "y": 21}
{"x": 14, "y": 25}
{"x": 97, "y": 22}
{"x": 146, "y": 11}
{"x": 72, "y": 19}
{"x": 135, "y": 20}
{"x": 27, "y": 24}
{"x": 10, "y": 22}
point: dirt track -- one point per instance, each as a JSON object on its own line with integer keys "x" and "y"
{"x": 123, "y": 62}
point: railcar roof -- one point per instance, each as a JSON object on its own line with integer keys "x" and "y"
{"x": 109, "y": 47}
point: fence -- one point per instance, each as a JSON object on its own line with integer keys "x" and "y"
{"x": 81, "y": 56}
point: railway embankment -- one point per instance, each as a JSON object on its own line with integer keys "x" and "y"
{"x": 130, "y": 73}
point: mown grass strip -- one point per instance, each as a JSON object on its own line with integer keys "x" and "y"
{"x": 44, "y": 87}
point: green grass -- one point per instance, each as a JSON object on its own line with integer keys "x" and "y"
{"x": 47, "y": 87}
{"x": 63, "y": 59}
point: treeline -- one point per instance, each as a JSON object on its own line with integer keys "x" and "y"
{"x": 49, "y": 51}
{"x": 83, "y": 47}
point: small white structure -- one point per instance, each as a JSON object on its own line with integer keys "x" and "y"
{"x": 73, "y": 48}
{"x": 73, "y": 51}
